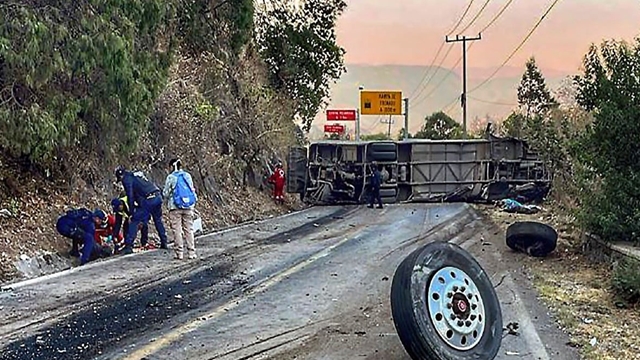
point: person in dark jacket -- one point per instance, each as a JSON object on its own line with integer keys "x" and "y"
{"x": 79, "y": 225}
{"x": 147, "y": 196}
{"x": 374, "y": 187}
{"x": 123, "y": 219}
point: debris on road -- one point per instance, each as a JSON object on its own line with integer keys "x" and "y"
{"x": 533, "y": 238}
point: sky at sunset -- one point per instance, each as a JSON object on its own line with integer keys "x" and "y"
{"x": 409, "y": 32}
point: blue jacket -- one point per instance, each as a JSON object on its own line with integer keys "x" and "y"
{"x": 376, "y": 179}
{"x": 137, "y": 187}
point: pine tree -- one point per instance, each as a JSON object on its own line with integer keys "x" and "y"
{"x": 533, "y": 95}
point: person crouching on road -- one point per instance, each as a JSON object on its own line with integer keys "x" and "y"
{"x": 145, "y": 200}
{"x": 122, "y": 221}
{"x": 374, "y": 187}
{"x": 79, "y": 225}
{"x": 181, "y": 199}
{"x": 105, "y": 236}
{"x": 278, "y": 181}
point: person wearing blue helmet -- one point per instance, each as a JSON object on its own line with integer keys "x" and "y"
{"x": 145, "y": 199}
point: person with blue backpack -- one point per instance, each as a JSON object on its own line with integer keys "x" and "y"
{"x": 181, "y": 198}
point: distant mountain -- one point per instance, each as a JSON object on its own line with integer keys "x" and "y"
{"x": 494, "y": 99}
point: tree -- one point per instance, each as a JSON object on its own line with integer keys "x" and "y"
{"x": 68, "y": 78}
{"x": 514, "y": 125}
{"x": 439, "y": 126}
{"x": 301, "y": 52}
{"x": 401, "y": 134}
{"x": 609, "y": 147}
{"x": 533, "y": 95}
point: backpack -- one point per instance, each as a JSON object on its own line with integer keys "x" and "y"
{"x": 183, "y": 195}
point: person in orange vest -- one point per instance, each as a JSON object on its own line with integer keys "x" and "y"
{"x": 278, "y": 181}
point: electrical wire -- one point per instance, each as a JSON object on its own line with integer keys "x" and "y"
{"x": 475, "y": 17}
{"x": 489, "y": 24}
{"x": 495, "y": 18}
{"x": 426, "y": 72}
{"x": 491, "y": 102}
{"x": 517, "y": 48}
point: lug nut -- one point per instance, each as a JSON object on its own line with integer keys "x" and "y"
{"x": 472, "y": 317}
{"x": 470, "y": 296}
{"x": 468, "y": 323}
{"x": 455, "y": 288}
{"x": 460, "y": 323}
{"x": 474, "y": 306}
{"x": 462, "y": 288}
{"x": 449, "y": 294}
{"x": 453, "y": 316}
{"x": 449, "y": 306}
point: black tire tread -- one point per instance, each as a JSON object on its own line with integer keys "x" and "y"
{"x": 536, "y": 239}
{"x": 418, "y": 345}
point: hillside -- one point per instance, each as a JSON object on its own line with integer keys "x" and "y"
{"x": 208, "y": 82}
{"x": 500, "y": 91}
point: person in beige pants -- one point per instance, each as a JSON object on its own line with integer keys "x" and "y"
{"x": 180, "y": 217}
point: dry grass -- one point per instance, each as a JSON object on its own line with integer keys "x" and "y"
{"x": 577, "y": 291}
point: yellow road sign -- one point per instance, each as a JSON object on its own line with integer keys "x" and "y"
{"x": 381, "y": 102}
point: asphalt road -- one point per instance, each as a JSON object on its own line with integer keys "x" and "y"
{"x": 311, "y": 285}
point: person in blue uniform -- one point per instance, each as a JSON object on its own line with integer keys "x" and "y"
{"x": 374, "y": 187}
{"x": 79, "y": 225}
{"x": 123, "y": 219}
{"x": 145, "y": 199}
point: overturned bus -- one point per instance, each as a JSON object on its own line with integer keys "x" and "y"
{"x": 417, "y": 170}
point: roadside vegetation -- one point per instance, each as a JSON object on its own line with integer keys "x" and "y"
{"x": 225, "y": 85}
{"x": 587, "y": 131}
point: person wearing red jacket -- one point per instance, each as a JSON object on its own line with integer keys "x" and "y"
{"x": 278, "y": 181}
{"x": 104, "y": 230}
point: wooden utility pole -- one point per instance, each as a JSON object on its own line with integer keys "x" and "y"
{"x": 463, "y": 98}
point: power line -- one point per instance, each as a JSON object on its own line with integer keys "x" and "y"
{"x": 439, "y": 50}
{"x": 475, "y": 17}
{"x": 489, "y": 24}
{"x": 491, "y": 102}
{"x": 518, "y": 47}
{"x": 495, "y": 18}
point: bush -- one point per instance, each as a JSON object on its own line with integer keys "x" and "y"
{"x": 626, "y": 280}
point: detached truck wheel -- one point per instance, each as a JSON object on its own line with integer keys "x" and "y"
{"x": 533, "y": 238}
{"x": 444, "y": 305}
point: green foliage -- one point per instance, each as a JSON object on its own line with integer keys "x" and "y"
{"x": 300, "y": 49}
{"x": 626, "y": 280}
{"x": 401, "y": 134}
{"x": 439, "y": 126}
{"x": 514, "y": 125}
{"x": 533, "y": 95}
{"x": 74, "y": 72}
{"x": 609, "y": 147}
{"x": 378, "y": 136}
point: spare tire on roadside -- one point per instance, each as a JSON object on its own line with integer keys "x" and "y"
{"x": 444, "y": 305}
{"x": 533, "y": 238}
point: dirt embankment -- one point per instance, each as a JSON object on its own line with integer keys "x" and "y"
{"x": 224, "y": 145}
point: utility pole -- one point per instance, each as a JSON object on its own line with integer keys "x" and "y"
{"x": 389, "y": 129}
{"x": 406, "y": 118}
{"x": 463, "y": 98}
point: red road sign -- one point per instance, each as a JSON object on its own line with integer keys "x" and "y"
{"x": 341, "y": 115}
{"x": 334, "y": 128}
